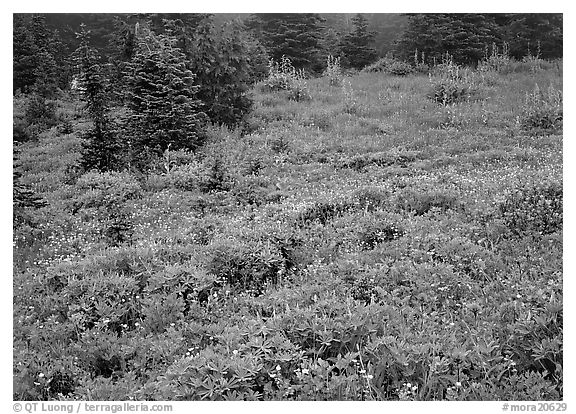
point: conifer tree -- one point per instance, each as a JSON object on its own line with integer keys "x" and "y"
{"x": 221, "y": 63}
{"x": 161, "y": 96}
{"x": 23, "y": 198}
{"x": 356, "y": 46}
{"x": 464, "y": 36}
{"x": 102, "y": 149}
{"x": 34, "y": 66}
{"x": 294, "y": 35}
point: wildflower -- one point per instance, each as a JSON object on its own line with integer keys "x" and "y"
{"x": 458, "y": 384}
{"x": 305, "y": 371}
{"x": 235, "y": 352}
{"x": 278, "y": 368}
{"x": 41, "y": 375}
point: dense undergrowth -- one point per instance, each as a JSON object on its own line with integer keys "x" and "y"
{"x": 393, "y": 238}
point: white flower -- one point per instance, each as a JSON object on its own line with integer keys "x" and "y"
{"x": 458, "y": 384}
{"x": 278, "y": 368}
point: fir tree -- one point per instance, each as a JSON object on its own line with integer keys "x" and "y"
{"x": 464, "y": 36}
{"x": 356, "y": 46}
{"x": 102, "y": 149}
{"x": 162, "y": 96}
{"x": 23, "y": 198}
{"x": 294, "y": 35}
{"x": 34, "y": 66}
{"x": 221, "y": 63}
{"x": 534, "y": 32}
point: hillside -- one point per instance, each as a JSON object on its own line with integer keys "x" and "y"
{"x": 366, "y": 243}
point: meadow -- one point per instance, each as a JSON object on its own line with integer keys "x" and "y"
{"x": 373, "y": 237}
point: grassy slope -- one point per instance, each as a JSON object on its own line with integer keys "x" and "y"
{"x": 356, "y": 245}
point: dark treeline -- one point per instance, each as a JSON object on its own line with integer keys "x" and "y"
{"x": 316, "y": 35}
{"x": 205, "y": 63}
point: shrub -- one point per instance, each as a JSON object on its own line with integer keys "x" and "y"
{"x": 252, "y": 190}
{"x": 376, "y": 231}
{"x": 351, "y": 105}
{"x": 371, "y": 198}
{"x": 333, "y": 71}
{"x": 534, "y": 62}
{"x": 247, "y": 264}
{"x": 282, "y": 76}
{"x": 534, "y": 209}
{"x": 542, "y": 111}
{"x": 215, "y": 176}
{"x": 33, "y": 115}
{"x": 422, "y": 202}
{"x": 497, "y": 61}
{"x": 390, "y": 66}
{"x": 105, "y": 189}
{"x": 381, "y": 159}
{"x": 319, "y": 119}
{"x": 186, "y": 177}
{"x": 321, "y": 212}
{"x": 451, "y": 84}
